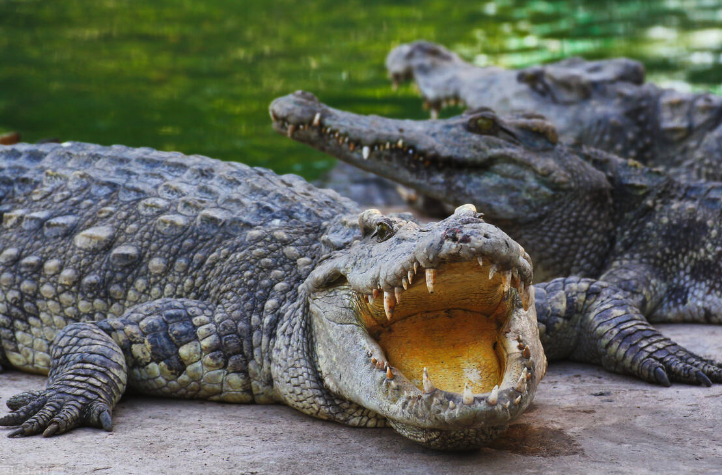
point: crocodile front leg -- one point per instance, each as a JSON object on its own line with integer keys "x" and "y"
{"x": 87, "y": 378}
{"x": 595, "y": 322}
{"x": 171, "y": 347}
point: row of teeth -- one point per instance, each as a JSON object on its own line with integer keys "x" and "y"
{"x": 342, "y": 139}
{"x": 435, "y": 106}
{"x": 392, "y": 298}
{"x": 467, "y": 396}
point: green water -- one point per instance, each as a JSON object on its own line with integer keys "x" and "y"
{"x": 197, "y": 76}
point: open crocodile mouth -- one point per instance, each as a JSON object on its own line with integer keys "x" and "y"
{"x": 433, "y": 328}
{"x": 440, "y": 340}
{"x": 443, "y": 332}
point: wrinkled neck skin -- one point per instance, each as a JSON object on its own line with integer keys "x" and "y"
{"x": 338, "y": 354}
{"x": 513, "y": 169}
{"x": 297, "y": 379}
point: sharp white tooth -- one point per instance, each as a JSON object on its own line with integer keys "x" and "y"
{"x": 428, "y": 385}
{"x": 400, "y": 143}
{"x": 389, "y": 374}
{"x": 493, "y": 270}
{"x": 416, "y": 267}
{"x": 397, "y": 294}
{"x": 411, "y": 277}
{"x": 463, "y": 208}
{"x": 526, "y": 297}
{"x": 452, "y": 405}
{"x": 521, "y": 384}
{"x": 481, "y": 261}
{"x": 506, "y": 280}
{"x": 365, "y": 152}
{"x": 517, "y": 400}
{"x": 291, "y": 130}
{"x": 494, "y": 396}
{"x": 430, "y": 280}
{"x": 405, "y": 283}
{"x": 389, "y": 304}
{"x": 317, "y": 119}
{"x": 468, "y": 397}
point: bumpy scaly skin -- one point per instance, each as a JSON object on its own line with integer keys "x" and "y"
{"x": 188, "y": 277}
{"x": 190, "y": 262}
{"x": 601, "y": 104}
{"x": 648, "y": 245}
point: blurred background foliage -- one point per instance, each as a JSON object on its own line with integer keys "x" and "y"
{"x": 197, "y": 75}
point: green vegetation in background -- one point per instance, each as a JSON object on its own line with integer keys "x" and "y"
{"x": 197, "y": 76}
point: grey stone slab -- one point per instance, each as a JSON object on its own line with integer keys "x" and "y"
{"x": 583, "y": 420}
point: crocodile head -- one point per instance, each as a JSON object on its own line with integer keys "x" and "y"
{"x": 511, "y": 167}
{"x": 443, "y": 79}
{"x": 432, "y": 327}
{"x": 440, "y": 74}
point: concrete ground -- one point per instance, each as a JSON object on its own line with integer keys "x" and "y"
{"x": 583, "y": 420}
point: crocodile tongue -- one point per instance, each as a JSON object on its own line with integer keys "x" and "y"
{"x": 452, "y": 332}
{"x": 455, "y": 347}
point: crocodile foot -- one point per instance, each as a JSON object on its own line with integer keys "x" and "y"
{"x": 56, "y": 410}
{"x": 655, "y": 358}
{"x": 685, "y": 366}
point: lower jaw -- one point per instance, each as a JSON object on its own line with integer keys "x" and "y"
{"x": 458, "y": 440}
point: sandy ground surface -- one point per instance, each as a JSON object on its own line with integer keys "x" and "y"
{"x": 583, "y": 420}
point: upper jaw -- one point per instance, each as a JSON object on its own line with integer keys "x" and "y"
{"x": 443, "y": 159}
{"x": 440, "y": 75}
{"x": 359, "y": 369}
{"x": 303, "y": 117}
{"x": 463, "y": 237}
{"x": 373, "y": 142}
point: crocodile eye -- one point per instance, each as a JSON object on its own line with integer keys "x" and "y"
{"x": 484, "y": 123}
{"x": 383, "y": 231}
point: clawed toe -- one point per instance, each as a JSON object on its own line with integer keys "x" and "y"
{"x": 661, "y": 376}
{"x": 52, "y": 413}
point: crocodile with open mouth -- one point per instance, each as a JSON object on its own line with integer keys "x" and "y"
{"x": 601, "y": 230}
{"x": 184, "y": 276}
{"x": 601, "y": 104}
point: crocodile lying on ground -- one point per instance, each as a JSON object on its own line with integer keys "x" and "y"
{"x": 188, "y": 277}
{"x": 607, "y": 231}
{"x": 601, "y": 104}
